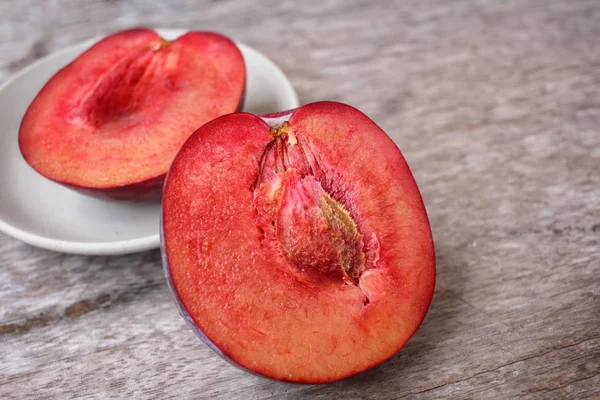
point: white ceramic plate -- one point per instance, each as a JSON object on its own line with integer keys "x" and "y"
{"x": 45, "y": 214}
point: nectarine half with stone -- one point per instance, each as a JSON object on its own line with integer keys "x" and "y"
{"x": 297, "y": 244}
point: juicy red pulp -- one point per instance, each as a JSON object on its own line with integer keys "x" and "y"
{"x": 126, "y": 87}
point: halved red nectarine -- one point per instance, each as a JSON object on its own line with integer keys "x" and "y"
{"x": 297, "y": 245}
{"x": 111, "y": 122}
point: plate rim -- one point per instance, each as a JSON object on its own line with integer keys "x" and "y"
{"x": 117, "y": 247}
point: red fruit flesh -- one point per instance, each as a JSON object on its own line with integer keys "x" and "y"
{"x": 301, "y": 251}
{"x": 112, "y": 121}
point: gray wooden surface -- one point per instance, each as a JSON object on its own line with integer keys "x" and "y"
{"x": 495, "y": 105}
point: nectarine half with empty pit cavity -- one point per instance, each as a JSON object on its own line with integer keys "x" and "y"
{"x": 111, "y": 122}
{"x": 297, "y": 244}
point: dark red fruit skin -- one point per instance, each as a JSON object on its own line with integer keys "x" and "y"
{"x": 145, "y": 191}
{"x": 272, "y": 118}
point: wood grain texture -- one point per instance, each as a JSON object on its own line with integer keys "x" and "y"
{"x": 496, "y": 107}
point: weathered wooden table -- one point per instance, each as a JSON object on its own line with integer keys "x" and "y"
{"x": 495, "y": 105}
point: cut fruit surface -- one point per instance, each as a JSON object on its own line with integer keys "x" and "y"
{"x": 112, "y": 121}
{"x": 298, "y": 244}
